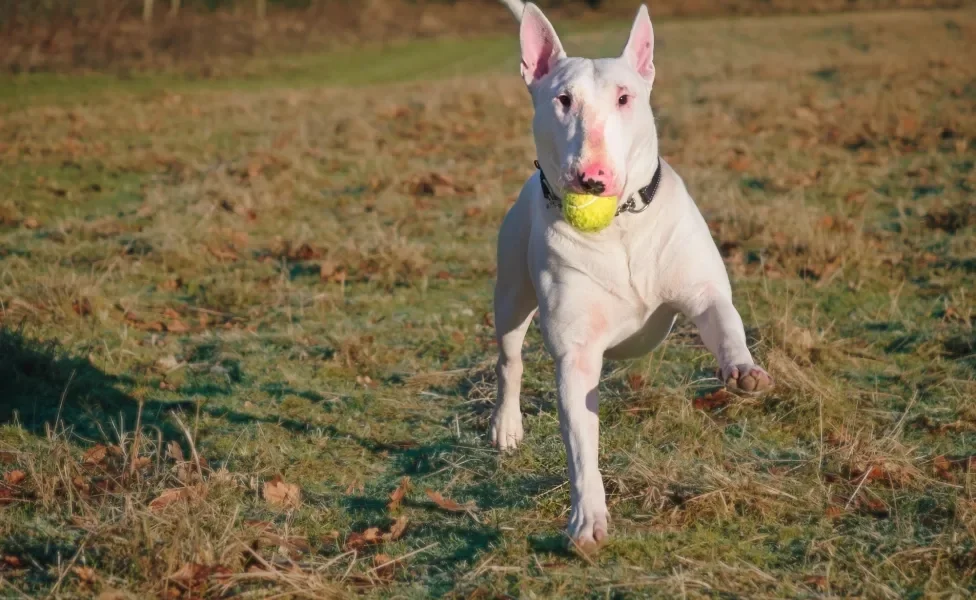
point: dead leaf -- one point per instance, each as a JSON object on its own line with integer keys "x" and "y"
{"x": 31, "y": 223}
{"x": 817, "y": 582}
{"x": 636, "y": 382}
{"x": 168, "y": 497}
{"x": 190, "y": 572}
{"x": 167, "y": 363}
{"x": 15, "y": 477}
{"x": 172, "y": 284}
{"x": 82, "y": 307}
{"x": 177, "y": 326}
{"x": 397, "y": 529}
{"x": 740, "y": 164}
{"x": 834, "y": 512}
{"x": 223, "y": 253}
{"x": 448, "y": 504}
{"x": 280, "y": 494}
{"x": 95, "y": 455}
{"x": 174, "y": 451}
{"x": 81, "y": 485}
{"x": 873, "y": 507}
{"x": 12, "y": 561}
{"x": 383, "y": 565}
{"x": 85, "y": 574}
{"x": 715, "y": 400}
{"x": 398, "y": 494}
{"x": 356, "y": 541}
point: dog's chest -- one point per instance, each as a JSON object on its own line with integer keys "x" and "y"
{"x": 621, "y": 270}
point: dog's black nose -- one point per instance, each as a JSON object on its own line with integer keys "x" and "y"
{"x": 591, "y": 186}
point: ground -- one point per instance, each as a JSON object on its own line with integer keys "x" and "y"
{"x": 247, "y": 345}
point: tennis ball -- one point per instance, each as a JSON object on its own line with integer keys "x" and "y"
{"x": 587, "y": 213}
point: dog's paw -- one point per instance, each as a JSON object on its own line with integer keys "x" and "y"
{"x": 747, "y": 378}
{"x": 506, "y": 429}
{"x": 588, "y": 527}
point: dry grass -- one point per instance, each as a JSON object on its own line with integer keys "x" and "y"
{"x": 234, "y": 319}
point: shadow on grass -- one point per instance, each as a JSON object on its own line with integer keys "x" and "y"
{"x": 43, "y": 385}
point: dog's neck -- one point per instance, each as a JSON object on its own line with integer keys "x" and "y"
{"x": 642, "y": 163}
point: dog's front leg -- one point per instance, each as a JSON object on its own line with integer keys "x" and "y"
{"x": 576, "y": 332}
{"x": 578, "y": 379}
{"x": 720, "y": 327}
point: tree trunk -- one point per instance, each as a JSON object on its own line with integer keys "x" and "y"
{"x": 147, "y": 9}
{"x": 262, "y": 8}
{"x": 174, "y": 8}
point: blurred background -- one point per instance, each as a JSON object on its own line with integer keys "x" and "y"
{"x": 261, "y": 234}
{"x": 78, "y": 35}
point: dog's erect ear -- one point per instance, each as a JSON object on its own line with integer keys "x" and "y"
{"x": 640, "y": 47}
{"x": 541, "y": 47}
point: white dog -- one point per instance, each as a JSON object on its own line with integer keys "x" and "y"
{"x": 615, "y": 293}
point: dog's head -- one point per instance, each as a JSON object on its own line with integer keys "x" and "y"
{"x": 593, "y": 126}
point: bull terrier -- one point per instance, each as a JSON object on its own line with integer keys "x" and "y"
{"x": 613, "y": 294}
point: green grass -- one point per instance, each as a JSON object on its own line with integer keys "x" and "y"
{"x": 249, "y": 267}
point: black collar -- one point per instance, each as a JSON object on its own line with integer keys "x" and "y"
{"x": 646, "y": 193}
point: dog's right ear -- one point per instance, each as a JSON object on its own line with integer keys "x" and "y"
{"x": 541, "y": 47}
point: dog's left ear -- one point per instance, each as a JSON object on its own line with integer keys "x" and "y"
{"x": 640, "y": 47}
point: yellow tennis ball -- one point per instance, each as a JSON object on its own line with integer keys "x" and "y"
{"x": 587, "y": 213}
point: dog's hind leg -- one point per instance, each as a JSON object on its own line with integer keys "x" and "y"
{"x": 515, "y": 303}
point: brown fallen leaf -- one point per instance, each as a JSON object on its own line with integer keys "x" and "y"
{"x": 174, "y": 451}
{"x": 223, "y": 253}
{"x": 398, "y": 494}
{"x": 448, "y": 504}
{"x": 177, "y": 326}
{"x": 95, "y": 455}
{"x": 383, "y": 565}
{"x": 12, "y": 561}
{"x": 31, "y": 223}
{"x": 357, "y": 540}
{"x": 636, "y": 382}
{"x": 172, "y": 284}
{"x": 873, "y": 507}
{"x": 739, "y": 163}
{"x": 396, "y": 530}
{"x": 834, "y": 512}
{"x": 168, "y": 497}
{"x": 281, "y": 494}
{"x": 817, "y": 582}
{"x": 81, "y": 485}
{"x": 15, "y": 477}
{"x": 85, "y": 574}
{"x": 190, "y": 572}
{"x": 141, "y": 462}
{"x": 82, "y": 307}
{"x": 717, "y": 399}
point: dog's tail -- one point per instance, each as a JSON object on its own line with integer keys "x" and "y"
{"x": 516, "y": 6}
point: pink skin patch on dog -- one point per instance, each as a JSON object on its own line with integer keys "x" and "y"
{"x": 597, "y": 329}
{"x": 596, "y": 166}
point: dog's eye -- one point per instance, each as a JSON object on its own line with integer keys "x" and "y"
{"x": 623, "y": 100}
{"x": 565, "y": 100}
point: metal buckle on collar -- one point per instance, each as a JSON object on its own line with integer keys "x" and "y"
{"x": 646, "y": 193}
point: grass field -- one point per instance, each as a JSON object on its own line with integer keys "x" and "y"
{"x": 238, "y": 314}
